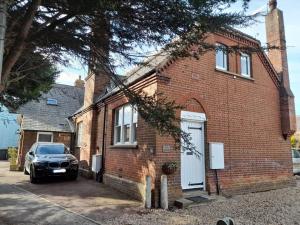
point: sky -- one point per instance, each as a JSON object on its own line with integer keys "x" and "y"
{"x": 291, "y": 16}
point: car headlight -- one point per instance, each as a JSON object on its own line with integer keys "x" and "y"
{"x": 40, "y": 163}
{"x": 74, "y": 162}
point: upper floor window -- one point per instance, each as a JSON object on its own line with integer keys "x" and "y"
{"x": 221, "y": 57}
{"x": 79, "y": 133}
{"x": 125, "y": 125}
{"x": 51, "y": 101}
{"x": 245, "y": 65}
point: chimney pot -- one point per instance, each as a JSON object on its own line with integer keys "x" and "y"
{"x": 272, "y": 4}
{"x": 79, "y": 83}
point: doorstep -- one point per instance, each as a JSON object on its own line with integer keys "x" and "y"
{"x": 195, "y": 197}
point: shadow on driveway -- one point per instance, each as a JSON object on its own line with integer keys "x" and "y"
{"x": 87, "y": 197}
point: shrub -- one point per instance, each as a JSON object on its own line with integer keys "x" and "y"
{"x": 12, "y": 155}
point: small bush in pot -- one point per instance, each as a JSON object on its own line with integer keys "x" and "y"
{"x": 169, "y": 168}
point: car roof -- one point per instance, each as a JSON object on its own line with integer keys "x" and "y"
{"x": 48, "y": 143}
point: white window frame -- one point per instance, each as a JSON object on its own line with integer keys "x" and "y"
{"x": 46, "y": 133}
{"x": 122, "y": 133}
{"x": 248, "y": 64}
{"x": 79, "y": 144}
{"x": 225, "y": 57}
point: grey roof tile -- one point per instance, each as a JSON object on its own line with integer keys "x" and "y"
{"x": 37, "y": 115}
{"x": 149, "y": 64}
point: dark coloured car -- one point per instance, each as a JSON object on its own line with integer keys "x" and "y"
{"x": 296, "y": 161}
{"x": 50, "y": 159}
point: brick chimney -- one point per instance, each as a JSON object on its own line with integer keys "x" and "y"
{"x": 79, "y": 83}
{"x": 276, "y": 37}
{"x": 98, "y": 76}
{"x": 94, "y": 86}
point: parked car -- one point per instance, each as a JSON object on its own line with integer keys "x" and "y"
{"x": 50, "y": 159}
{"x": 296, "y": 161}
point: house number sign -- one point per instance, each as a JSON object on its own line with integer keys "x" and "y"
{"x": 167, "y": 148}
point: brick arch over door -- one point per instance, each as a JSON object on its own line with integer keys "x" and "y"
{"x": 193, "y": 102}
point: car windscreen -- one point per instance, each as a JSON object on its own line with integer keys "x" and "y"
{"x": 51, "y": 149}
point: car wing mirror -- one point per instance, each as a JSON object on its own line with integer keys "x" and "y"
{"x": 31, "y": 153}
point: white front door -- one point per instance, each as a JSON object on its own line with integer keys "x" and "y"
{"x": 193, "y": 162}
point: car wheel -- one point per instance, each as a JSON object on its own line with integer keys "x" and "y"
{"x": 25, "y": 171}
{"x": 33, "y": 179}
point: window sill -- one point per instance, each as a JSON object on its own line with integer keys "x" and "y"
{"x": 123, "y": 146}
{"x": 235, "y": 75}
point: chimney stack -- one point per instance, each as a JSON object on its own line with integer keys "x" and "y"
{"x": 276, "y": 37}
{"x": 79, "y": 83}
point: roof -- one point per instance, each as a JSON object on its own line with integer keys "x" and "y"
{"x": 156, "y": 62}
{"x": 39, "y": 116}
{"x": 149, "y": 66}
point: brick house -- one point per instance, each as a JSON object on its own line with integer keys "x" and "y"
{"x": 298, "y": 124}
{"x": 47, "y": 120}
{"x": 297, "y": 134}
{"x": 241, "y": 100}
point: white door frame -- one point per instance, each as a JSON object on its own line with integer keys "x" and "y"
{"x": 187, "y": 116}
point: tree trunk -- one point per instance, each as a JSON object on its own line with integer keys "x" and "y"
{"x": 20, "y": 41}
{"x": 3, "y": 7}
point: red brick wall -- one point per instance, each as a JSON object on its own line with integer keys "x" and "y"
{"x": 130, "y": 163}
{"x": 242, "y": 113}
{"x": 28, "y": 138}
{"x": 90, "y": 133}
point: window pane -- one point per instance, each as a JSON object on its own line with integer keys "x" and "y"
{"x": 135, "y": 116}
{"x": 127, "y": 114}
{"x": 125, "y": 125}
{"x": 45, "y": 138}
{"x": 118, "y": 134}
{"x": 134, "y": 127}
{"x": 126, "y": 131}
{"x": 221, "y": 57}
{"x": 118, "y": 117}
{"x": 245, "y": 64}
{"x": 51, "y": 101}
{"x": 79, "y": 133}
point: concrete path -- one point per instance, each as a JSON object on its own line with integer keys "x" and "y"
{"x": 56, "y": 201}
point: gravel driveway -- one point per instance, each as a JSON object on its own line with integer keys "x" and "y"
{"x": 278, "y": 207}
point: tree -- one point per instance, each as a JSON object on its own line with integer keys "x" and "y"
{"x": 32, "y": 75}
{"x": 77, "y": 27}
{"x": 295, "y": 141}
{"x": 102, "y": 33}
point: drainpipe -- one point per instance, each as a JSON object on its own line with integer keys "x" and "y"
{"x": 103, "y": 145}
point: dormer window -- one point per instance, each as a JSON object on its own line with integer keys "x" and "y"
{"x": 51, "y": 101}
{"x": 245, "y": 65}
{"x": 221, "y": 57}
